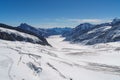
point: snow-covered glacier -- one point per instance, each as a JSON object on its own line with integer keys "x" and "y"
{"x": 63, "y": 61}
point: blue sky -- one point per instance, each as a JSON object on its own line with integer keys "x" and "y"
{"x": 58, "y": 13}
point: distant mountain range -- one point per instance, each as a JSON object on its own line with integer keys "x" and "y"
{"x": 44, "y": 32}
{"x": 84, "y": 33}
{"x": 87, "y": 33}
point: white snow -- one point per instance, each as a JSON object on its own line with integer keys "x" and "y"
{"x": 99, "y": 29}
{"x": 19, "y": 33}
{"x": 63, "y": 61}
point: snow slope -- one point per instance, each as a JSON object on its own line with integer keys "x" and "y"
{"x": 99, "y": 33}
{"x": 63, "y": 61}
{"x": 19, "y": 33}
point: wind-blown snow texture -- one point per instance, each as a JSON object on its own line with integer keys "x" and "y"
{"x": 63, "y": 61}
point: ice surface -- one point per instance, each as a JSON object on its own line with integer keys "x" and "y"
{"x": 63, "y": 61}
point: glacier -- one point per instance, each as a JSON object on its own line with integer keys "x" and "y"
{"x": 63, "y": 61}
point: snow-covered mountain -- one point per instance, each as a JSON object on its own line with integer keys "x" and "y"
{"x": 44, "y": 32}
{"x": 30, "y": 28}
{"x": 100, "y": 33}
{"x": 23, "y": 55}
{"x": 21, "y": 59}
{"x": 17, "y": 34}
{"x": 79, "y": 30}
{"x": 56, "y": 31}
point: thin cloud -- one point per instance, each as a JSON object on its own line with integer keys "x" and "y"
{"x": 93, "y": 21}
{"x": 64, "y": 22}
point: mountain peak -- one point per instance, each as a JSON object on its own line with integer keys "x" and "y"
{"x": 24, "y": 25}
{"x": 84, "y": 26}
{"x": 116, "y": 21}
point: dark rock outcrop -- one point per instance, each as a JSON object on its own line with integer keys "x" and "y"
{"x": 18, "y": 37}
{"x": 77, "y": 31}
{"x": 100, "y": 33}
{"x": 44, "y": 32}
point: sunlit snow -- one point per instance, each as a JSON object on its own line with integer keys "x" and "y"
{"x": 63, "y": 61}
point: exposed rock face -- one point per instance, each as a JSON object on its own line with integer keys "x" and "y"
{"x": 29, "y": 28}
{"x": 77, "y": 31}
{"x": 101, "y": 33}
{"x": 17, "y": 34}
{"x": 44, "y": 32}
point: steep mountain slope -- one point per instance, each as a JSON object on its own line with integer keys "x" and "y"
{"x": 27, "y": 61}
{"x": 101, "y": 33}
{"x": 30, "y": 28}
{"x": 17, "y": 34}
{"x": 79, "y": 30}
